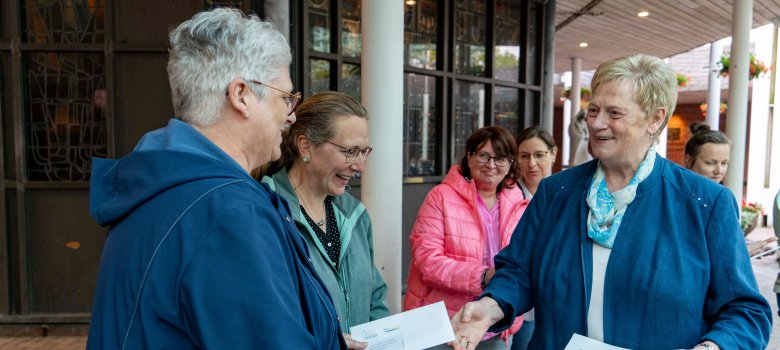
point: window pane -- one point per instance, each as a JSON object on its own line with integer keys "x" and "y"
{"x": 507, "y": 51}
{"x": 532, "y": 71}
{"x": 319, "y": 76}
{"x": 470, "y": 37}
{"x": 350, "y": 80}
{"x": 64, "y": 21}
{"x": 469, "y": 109}
{"x": 319, "y": 24}
{"x": 420, "y": 125}
{"x": 66, "y": 122}
{"x": 505, "y": 103}
{"x": 532, "y": 108}
{"x": 350, "y": 28}
{"x": 420, "y": 27}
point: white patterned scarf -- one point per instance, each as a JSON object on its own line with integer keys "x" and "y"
{"x": 607, "y": 209}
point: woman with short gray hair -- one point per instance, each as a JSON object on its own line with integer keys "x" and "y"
{"x": 629, "y": 249}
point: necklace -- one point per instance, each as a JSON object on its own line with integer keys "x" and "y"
{"x": 305, "y": 205}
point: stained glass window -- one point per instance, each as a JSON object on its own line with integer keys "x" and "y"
{"x": 65, "y": 21}
{"x": 65, "y": 116}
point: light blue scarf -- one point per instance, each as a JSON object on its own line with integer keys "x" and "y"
{"x": 607, "y": 209}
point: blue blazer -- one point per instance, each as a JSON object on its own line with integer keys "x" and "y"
{"x": 678, "y": 273}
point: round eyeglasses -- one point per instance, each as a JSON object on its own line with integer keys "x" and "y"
{"x": 352, "y": 154}
{"x": 292, "y": 99}
{"x": 539, "y": 156}
{"x": 484, "y": 157}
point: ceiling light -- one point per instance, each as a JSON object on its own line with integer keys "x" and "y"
{"x": 410, "y": 2}
{"x": 643, "y": 14}
{"x": 583, "y": 44}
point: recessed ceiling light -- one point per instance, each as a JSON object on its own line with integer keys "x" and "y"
{"x": 410, "y": 2}
{"x": 583, "y": 44}
{"x": 643, "y": 14}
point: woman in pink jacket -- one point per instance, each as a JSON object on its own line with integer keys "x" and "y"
{"x": 463, "y": 223}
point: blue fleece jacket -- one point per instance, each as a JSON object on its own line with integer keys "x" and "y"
{"x": 199, "y": 255}
{"x": 678, "y": 274}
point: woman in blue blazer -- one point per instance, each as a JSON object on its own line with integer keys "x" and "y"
{"x": 629, "y": 249}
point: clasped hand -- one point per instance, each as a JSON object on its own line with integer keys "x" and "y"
{"x": 472, "y": 321}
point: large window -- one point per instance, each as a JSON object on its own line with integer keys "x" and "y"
{"x": 467, "y": 63}
{"x": 332, "y": 64}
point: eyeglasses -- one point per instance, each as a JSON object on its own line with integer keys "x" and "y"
{"x": 352, "y": 153}
{"x": 538, "y": 156}
{"x": 484, "y": 157}
{"x": 292, "y": 99}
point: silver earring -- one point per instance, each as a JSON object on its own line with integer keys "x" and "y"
{"x": 306, "y": 159}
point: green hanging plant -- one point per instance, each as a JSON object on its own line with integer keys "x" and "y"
{"x": 756, "y": 70}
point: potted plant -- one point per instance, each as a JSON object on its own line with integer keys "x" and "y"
{"x": 756, "y": 70}
{"x": 683, "y": 80}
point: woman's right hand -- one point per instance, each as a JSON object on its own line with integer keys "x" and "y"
{"x": 354, "y": 344}
{"x": 472, "y": 321}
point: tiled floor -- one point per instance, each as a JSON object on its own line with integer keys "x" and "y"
{"x": 43, "y": 343}
{"x": 765, "y": 269}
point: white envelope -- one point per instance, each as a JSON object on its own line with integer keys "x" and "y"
{"x": 416, "y": 329}
{"x": 580, "y": 342}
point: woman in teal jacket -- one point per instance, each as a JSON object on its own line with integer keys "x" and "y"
{"x": 629, "y": 249}
{"x": 322, "y": 151}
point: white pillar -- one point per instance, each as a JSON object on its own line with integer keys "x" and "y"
{"x": 566, "y": 140}
{"x": 574, "y": 97}
{"x": 736, "y": 121}
{"x": 381, "y": 88}
{"x": 713, "y": 86}
{"x": 663, "y": 140}
{"x": 759, "y": 132}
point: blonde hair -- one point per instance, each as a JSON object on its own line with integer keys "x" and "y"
{"x": 653, "y": 81}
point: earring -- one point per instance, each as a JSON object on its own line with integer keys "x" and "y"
{"x": 306, "y": 159}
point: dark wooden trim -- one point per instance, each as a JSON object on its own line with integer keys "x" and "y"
{"x": 18, "y": 125}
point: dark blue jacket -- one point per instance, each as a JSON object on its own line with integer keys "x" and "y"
{"x": 200, "y": 255}
{"x": 678, "y": 273}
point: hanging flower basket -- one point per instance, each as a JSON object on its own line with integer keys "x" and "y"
{"x": 585, "y": 93}
{"x": 703, "y": 108}
{"x": 683, "y": 80}
{"x": 756, "y": 70}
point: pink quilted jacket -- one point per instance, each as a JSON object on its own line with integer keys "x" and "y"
{"x": 447, "y": 244}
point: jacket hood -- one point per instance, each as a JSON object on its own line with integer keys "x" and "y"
{"x": 163, "y": 159}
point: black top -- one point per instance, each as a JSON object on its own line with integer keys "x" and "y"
{"x": 330, "y": 237}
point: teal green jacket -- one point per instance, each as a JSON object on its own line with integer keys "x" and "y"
{"x": 357, "y": 288}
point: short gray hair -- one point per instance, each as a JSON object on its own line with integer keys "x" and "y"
{"x": 214, "y": 48}
{"x": 654, "y": 82}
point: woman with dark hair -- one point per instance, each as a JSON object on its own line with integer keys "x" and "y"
{"x": 536, "y": 151}
{"x": 461, "y": 226}
{"x": 708, "y": 151}
{"x": 321, "y": 152}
